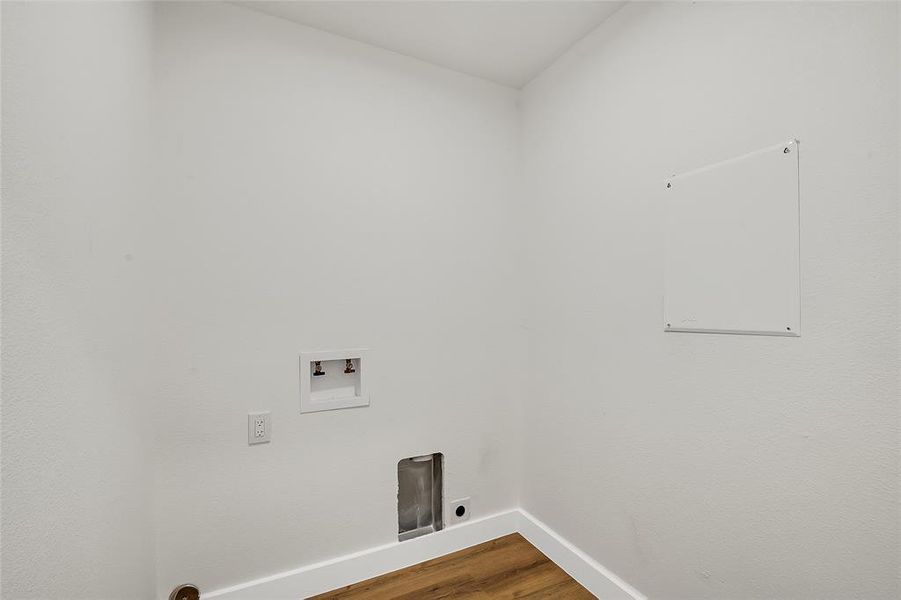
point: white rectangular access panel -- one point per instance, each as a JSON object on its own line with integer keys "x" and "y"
{"x": 732, "y": 247}
{"x": 333, "y": 379}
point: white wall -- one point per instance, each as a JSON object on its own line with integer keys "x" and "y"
{"x": 76, "y": 476}
{"x": 315, "y": 193}
{"x": 705, "y": 466}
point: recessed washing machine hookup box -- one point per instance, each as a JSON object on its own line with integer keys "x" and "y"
{"x": 333, "y": 379}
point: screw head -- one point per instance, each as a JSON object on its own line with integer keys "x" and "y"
{"x": 669, "y": 185}
{"x": 786, "y": 150}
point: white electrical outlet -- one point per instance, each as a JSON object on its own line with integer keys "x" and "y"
{"x": 459, "y": 510}
{"x": 259, "y": 428}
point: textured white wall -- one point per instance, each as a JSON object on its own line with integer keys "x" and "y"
{"x": 76, "y": 475}
{"x": 315, "y": 193}
{"x": 705, "y": 466}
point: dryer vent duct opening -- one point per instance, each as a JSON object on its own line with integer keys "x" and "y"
{"x": 420, "y": 485}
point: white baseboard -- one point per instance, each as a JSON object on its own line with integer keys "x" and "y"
{"x": 594, "y": 577}
{"x": 359, "y": 566}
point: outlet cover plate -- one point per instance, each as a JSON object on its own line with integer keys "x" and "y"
{"x": 259, "y": 428}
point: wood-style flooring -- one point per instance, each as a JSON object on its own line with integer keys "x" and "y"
{"x": 508, "y": 567}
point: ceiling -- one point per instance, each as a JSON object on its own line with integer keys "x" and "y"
{"x": 508, "y": 42}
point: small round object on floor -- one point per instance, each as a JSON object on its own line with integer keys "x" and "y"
{"x": 185, "y": 591}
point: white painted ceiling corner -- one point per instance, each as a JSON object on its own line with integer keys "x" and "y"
{"x": 505, "y": 41}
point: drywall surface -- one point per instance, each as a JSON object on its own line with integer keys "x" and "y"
{"x": 76, "y": 515}
{"x": 315, "y": 193}
{"x": 717, "y": 466}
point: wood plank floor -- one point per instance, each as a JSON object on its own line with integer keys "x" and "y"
{"x": 508, "y": 567}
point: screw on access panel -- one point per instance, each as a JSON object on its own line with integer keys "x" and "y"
{"x": 317, "y": 369}
{"x": 786, "y": 150}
